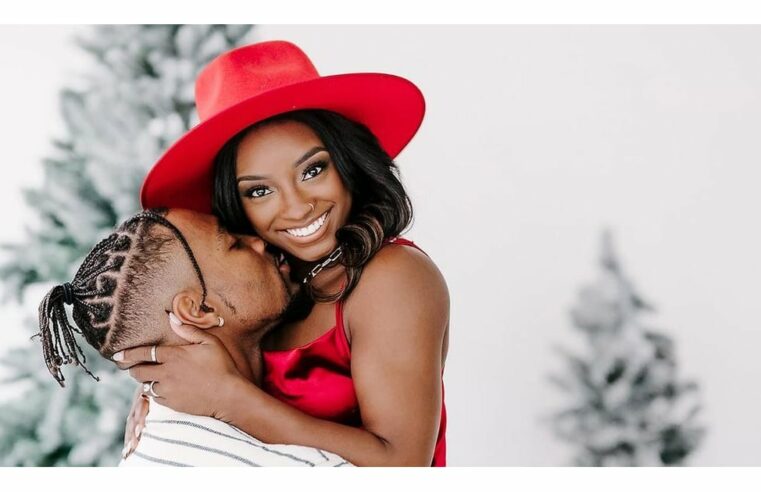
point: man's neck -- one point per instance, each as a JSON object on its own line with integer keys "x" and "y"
{"x": 244, "y": 348}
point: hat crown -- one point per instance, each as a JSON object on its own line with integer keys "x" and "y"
{"x": 248, "y": 71}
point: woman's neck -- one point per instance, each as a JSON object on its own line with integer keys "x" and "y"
{"x": 328, "y": 281}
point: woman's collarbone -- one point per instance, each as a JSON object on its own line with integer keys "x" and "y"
{"x": 297, "y": 334}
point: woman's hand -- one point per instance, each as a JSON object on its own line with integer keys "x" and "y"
{"x": 188, "y": 378}
{"x": 135, "y": 421}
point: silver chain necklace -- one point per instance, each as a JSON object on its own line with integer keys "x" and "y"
{"x": 320, "y": 267}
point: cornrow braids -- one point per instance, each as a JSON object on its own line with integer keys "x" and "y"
{"x": 153, "y": 216}
{"x": 90, "y": 292}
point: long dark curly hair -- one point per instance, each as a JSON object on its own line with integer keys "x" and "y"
{"x": 380, "y": 209}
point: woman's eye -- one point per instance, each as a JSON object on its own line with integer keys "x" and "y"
{"x": 314, "y": 170}
{"x": 258, "y": 192}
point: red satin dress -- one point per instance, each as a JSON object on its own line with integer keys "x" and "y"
{"x": 316, "y": 378}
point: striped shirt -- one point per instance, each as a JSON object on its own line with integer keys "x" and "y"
{"x": 178, "y": 439}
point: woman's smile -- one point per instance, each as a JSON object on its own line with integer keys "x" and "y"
{"x": 310, "y": 232}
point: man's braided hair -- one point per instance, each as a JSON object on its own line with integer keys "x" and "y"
{"x": 99, "y": 308}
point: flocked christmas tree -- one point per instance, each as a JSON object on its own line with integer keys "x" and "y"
{"x": 137, "y": 99}
{"x": 628, "y": 406}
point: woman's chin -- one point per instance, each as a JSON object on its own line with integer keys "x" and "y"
{"x": 311, "y": 252}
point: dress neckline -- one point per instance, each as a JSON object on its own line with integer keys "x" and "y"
{"x": 302, "y": 347}
{"x": 338, "y": 311}
{"x": 338, "y": 320}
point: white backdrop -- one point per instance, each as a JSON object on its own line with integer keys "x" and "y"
{"x": 534, "y": 139}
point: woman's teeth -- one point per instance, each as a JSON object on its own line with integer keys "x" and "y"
{"x": 310, "y": 229}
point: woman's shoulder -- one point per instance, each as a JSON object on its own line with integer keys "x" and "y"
{"x": 399, "y": 271}
{"x": 398, "y": 260}
{"x": 401, "y": 296}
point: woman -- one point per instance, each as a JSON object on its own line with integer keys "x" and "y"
{"x": 305, "y": 162}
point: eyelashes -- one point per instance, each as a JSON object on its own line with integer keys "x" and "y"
{"x": 257, "y": 192}
{"x": 314, "y": 170}
{"x": 318, "y": 166}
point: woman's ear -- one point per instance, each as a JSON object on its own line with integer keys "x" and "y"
{"x": 186, "y": 305}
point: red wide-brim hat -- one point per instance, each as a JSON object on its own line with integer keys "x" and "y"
{"x": 252, "y": 83}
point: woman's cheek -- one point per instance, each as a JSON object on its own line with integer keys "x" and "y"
{"x": 264, "y": 231}
{"x": 255, "y": 220}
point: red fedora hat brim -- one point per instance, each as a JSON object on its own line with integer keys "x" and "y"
{"x": 390, "y": 106}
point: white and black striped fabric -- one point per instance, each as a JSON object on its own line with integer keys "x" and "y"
{"x": 177, "y": 439}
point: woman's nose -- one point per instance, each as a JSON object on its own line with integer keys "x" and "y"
{"x": 296, "y": 207}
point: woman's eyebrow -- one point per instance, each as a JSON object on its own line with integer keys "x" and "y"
{"x": 309, "y": 153}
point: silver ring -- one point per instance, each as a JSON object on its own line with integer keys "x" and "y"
{"x": 312, "y": 205}
{"x": 153, "y": 353}
{"x": 148, "y": 388}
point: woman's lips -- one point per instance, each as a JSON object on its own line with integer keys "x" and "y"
{"x": 310, "y": 228}
{"x": 316, "y": 234}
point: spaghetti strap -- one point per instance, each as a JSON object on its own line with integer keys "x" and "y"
{"x": 340, "y": 324}
{"x": 404, "y": 242}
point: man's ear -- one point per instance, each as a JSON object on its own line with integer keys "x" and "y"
{"x": 186, "y": 305}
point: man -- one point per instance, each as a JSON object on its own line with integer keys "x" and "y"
{"x": 181, "y": 265}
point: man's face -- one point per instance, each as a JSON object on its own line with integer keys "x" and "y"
{"x": 240, "y": 276}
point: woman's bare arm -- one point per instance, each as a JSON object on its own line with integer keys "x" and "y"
{"x": 397, "y": 316}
